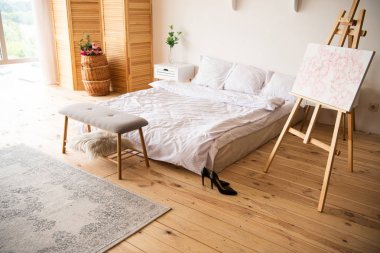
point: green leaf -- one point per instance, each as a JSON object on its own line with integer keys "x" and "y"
{"x": 173, "y": 37}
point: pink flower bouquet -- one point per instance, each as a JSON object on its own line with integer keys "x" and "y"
{"x": 89, "y": 48}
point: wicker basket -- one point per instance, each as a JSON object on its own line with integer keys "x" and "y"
{"x": 97, "y": 88}
{"x": 95, "y": 75}
{"x": 93, "y": 61}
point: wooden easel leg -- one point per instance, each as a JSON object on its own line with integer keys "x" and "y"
{"x": 353, "y": 119}
{"x": 358, "y": 32}
{"x": 344, "y": 127}
{"x": 350, "y": 40}
{"x": 119, "y": 156}
{"x": 89, "y": 128}
{"x": 346, "y": 28}
{"x": 283, "y": 132}
{"x": 64, "y": 135}
{"x": 305, "y": 117}
{"x": 335, "y": 27}
{"x": 330, "y": 162}
{"x": 312, "y": 123}
{"x": 350, "y": 142}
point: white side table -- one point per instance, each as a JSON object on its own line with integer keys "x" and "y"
{"x": 181, "y": 72}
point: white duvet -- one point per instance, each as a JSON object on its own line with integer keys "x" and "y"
{"x": 185, "y": 119}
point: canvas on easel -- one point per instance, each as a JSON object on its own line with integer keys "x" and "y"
{"x": 350, "y": 29}
{"x": 346, "y": 28}
{"x": 332, "y": 75}
{"x": 329, "y": 77}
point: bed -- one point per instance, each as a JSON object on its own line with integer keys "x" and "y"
{"x": 195, "y": 126}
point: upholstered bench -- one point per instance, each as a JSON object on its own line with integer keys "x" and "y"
{"x": 108, "y": 120}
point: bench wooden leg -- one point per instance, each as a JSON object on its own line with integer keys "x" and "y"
{"x": 119, "y": 155}
{"x": 64, "y": 135}
{"x": 143, "y": 147}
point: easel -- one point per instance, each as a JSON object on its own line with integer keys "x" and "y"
{"x": 353, "y": 30}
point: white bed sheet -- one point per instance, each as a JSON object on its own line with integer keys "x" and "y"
{"x": 247, "y": 129}
{"x": 186, "y": 121}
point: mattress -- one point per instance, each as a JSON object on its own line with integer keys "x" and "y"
{"x": 190, "y": 125}
{"x": 229, "y": 150}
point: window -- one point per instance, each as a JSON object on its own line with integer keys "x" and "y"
{"x": 17, "y": 32}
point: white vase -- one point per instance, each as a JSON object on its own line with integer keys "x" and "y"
{"x": 170, "y": 55}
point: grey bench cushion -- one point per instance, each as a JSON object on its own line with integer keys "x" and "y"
{"x": 103, "y": 117}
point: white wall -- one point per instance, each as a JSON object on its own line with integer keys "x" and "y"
{"x": 265, "y": 33}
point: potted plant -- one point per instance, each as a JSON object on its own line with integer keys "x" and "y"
{"x": 89, "y": 48}
{"x": 94, "y": 68}
{"x": 172, "y": 40}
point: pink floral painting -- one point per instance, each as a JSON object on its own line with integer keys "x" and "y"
{"x": 332, "y": 75}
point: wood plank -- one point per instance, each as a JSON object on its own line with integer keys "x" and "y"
{"x": 148, "y": 243}
{"x": 186, "y": 226}
{"x": 176, "y": 239}
{"x": 125, "y": 247}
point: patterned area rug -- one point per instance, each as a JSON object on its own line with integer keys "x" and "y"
{"x": 49, "y": 206}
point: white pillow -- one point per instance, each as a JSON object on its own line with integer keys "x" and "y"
{"x": 212, "y": 72}
{"x": 246, "y": 79}
{"x": 268, "y": 76}
{"x": 279, "y": 86}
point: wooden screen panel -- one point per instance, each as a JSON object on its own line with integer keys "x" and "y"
{"x": 85, "y": 18}
{"x": 115, "y": 45}
{"x": 141, "y": 66}
{"x": 139, "y": 39}
{"x": 62, "y": 43}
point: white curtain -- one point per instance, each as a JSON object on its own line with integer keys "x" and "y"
{"x": 45, "y": 40}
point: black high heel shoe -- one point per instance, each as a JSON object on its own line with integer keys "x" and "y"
{"x": 223, "y": 190}
{"x": 206, "y": 173}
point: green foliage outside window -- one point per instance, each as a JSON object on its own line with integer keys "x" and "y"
{"x": 18, "y": 28}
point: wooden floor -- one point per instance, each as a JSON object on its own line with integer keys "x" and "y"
{"x": 273, "y": 212}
